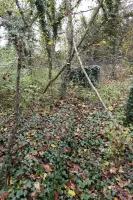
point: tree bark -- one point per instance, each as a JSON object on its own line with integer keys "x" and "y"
{"x": 65, "y": 76}
{"x": 16, "y": 111}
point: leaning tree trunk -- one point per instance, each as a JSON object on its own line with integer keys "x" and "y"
{"x": 65, "y": 76}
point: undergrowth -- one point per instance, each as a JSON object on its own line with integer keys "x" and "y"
{"x": 69, "y": 153}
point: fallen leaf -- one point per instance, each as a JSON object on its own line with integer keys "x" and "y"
{"x": 47, "y": 168}
{"x": 104, "y": 192}
{"x": 113, "y": 170}
{"x": 110, "y": 187}
{"x": 104, "y": 42}
{"x": 4, "y": 195}
{"x": 30, "y": 137}
{"x": 71, "y": 192}
{"x": 41, "y": 152}
{"x": 11, "y": 182}
{"x": 50, "y": 43}
{"x": 34, "y": 144}
{"x": 27, "y": 156}
{"x": 84, "y": 175}
{"x": 35, "y": 153}
{"x": 79, "y": 150}
{"x": 56, "y": 195}
{"x": 53, "y": 145}
{"x": 24, "y": 187}
{"x": 122, "y": 184}
{"x": 37, "y": 185}
{"x": 78, "y": 130}
{"x": 65, "y": 186}
{"x": 57, "y": 137}
{"x": 33, "y": 194}
{"x": 106, "y": 163}
{"x": 121, "y": 169}
{"x": 75, "y": 169}
{"x": 43, "y": 176}
{"x": 110, "y": 108}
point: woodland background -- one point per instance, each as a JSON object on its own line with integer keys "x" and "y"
{"x": 60, "y": 140}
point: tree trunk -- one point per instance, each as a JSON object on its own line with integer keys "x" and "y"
{"x": 16, "y": 111}
{"x": 50, "y": 65}
{"x": 65, "y": 76}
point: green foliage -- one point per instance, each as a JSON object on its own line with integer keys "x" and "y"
{"x": 57, "y": 155}
{"x": 113, "y": 93}
{"x": 111, "y": 15}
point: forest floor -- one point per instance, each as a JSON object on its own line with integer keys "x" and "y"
{"x": 72, "y": 152}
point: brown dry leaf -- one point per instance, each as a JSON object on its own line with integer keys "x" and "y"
{"x": 78, "y": 130}
{"x": 63, "y": 130}
{"x": 110, "y": 187}
{"x": 121, "y": 169}
{"x": 34, "y": 153}
{"x": 56, "y": 195}
{"x": 104, "y": 192}
{"x": 24, "y": 187}
{"x": 45, "y": 147}
{"x": 84, "y": 175}
{"x": 41, "y": 189}
{"x": 113, "y": 170}
{"x": 73, "y": 186}
{"x": 104, "y": 171}
{"x": 4, "y": 196}
{"x": 68, "y": 184}
{"x": 131, "y": 164}
{"x": 37, "y": 185}
{"x": 84, "y": 106}
{"x": 47, "y": 168}
{"x": 67, "y": 126}
{"x": 94, "y": 194}
{"x": 34, "y": 195}
{"x": 41, "y": 152}
{"x": 125, "y": 195}
{"x": 35, "y": 143}
{"x": 35, "y": 176}
{"x": 75, "y": 169}
{"x": 44, "y": 176}
{"x": 57, "y": 137}
{"x": 69, "y": 163}
{"x": 122, "y": 184}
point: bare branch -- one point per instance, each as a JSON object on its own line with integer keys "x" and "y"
{"x": 83, "y": 11}
{"x": 93, "y": 87}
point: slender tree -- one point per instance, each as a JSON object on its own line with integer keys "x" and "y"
{"x": 16, "y": 111}
{"x": 112, "y": 26}
{"x": 65, "y": 76}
